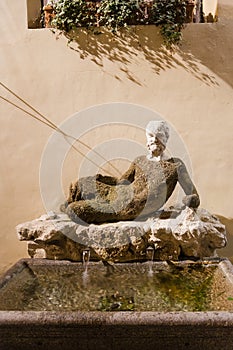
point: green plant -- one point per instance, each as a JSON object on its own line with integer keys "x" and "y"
{"x": 116, "y": 14}
{"x": 170, "y": 16}
{"x": 71, "y": 14}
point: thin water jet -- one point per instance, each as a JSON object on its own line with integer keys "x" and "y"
{"x": 150, "y": 257}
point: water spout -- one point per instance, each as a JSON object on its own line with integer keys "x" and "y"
{"x": 150, "y": 257}
{"x": 86, "y": 259}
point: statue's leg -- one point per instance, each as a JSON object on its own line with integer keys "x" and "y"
{"x": 124, "y": 206}
{"x": 91, "y": 211}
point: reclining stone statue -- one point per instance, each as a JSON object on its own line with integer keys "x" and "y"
{"x": 132, "y": 214}
{"x": 139, "y": 193}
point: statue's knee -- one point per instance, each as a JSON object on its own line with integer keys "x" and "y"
{"x": 74, "y": 208}
{"x": 74, "y": 211}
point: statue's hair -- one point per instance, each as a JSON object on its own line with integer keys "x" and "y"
{"x": 160, "y": 128}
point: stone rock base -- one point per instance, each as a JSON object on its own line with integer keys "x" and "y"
{"x": 172, "y": 234}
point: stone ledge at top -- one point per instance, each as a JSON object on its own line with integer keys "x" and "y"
{"x": 173, "y": 234}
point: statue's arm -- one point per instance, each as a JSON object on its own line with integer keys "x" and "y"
{"x": 74, "y": 193}
{"x": 128, "y": 176}
{"x": 192, "y": 198}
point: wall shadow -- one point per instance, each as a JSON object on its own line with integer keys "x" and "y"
{"x": 130, "y": 47}
{"x": 211, "y": 43}
{"x": 228, "y": 251}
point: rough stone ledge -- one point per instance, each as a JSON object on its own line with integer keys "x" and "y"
{"x": 173, "y": 235}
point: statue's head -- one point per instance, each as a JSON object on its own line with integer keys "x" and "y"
{"x": 157, "y": 134}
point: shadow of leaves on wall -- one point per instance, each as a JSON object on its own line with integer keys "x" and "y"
{"x": 228, "y": 250}
{"x": 129, "y": 48}
{"x": 211, "y": 44}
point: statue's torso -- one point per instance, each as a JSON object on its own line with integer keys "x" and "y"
{"x": 141, "y": 191}
{"x": 154, "y": 182}
{"x": 153, "y": 174}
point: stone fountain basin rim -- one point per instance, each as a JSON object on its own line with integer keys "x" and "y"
{"x": 120, "y": 318}
{"x": 95, "y": 318}
{"x": 114, "y": 330}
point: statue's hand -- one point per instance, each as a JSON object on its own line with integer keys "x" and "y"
{"x": 63, "y": 207}
{"x": 191, "y": 201}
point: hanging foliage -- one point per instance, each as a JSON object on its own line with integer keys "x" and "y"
{"x": 169, "y": 15}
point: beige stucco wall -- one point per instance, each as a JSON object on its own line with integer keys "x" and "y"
{"x": 210, "y": 6}
{"x": 192, "y": 90}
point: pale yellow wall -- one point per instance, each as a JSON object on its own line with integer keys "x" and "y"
{"x": 192, "y": 90}
{"x": 210, "y": 6}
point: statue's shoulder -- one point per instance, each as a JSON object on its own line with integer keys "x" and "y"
{"x": 177, "y": 163}
{"x": 140, "y": 159}
{"x": 175, "y": 160}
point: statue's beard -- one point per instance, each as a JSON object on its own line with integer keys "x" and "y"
{"x": 155, "y": 150}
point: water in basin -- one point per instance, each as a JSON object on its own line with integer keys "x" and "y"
{"x": 126, "y": 287}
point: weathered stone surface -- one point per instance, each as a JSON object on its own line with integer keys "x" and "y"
{"x": 173, "y": 235}
{"x": 193, "y": 233}
{"x": 138, "y": 194}
{"x": 48, "y": 237}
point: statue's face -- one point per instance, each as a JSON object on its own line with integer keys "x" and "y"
{"x": 154, "y": 145}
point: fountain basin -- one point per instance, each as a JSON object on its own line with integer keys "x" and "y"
{"x": 184, "y": 305}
